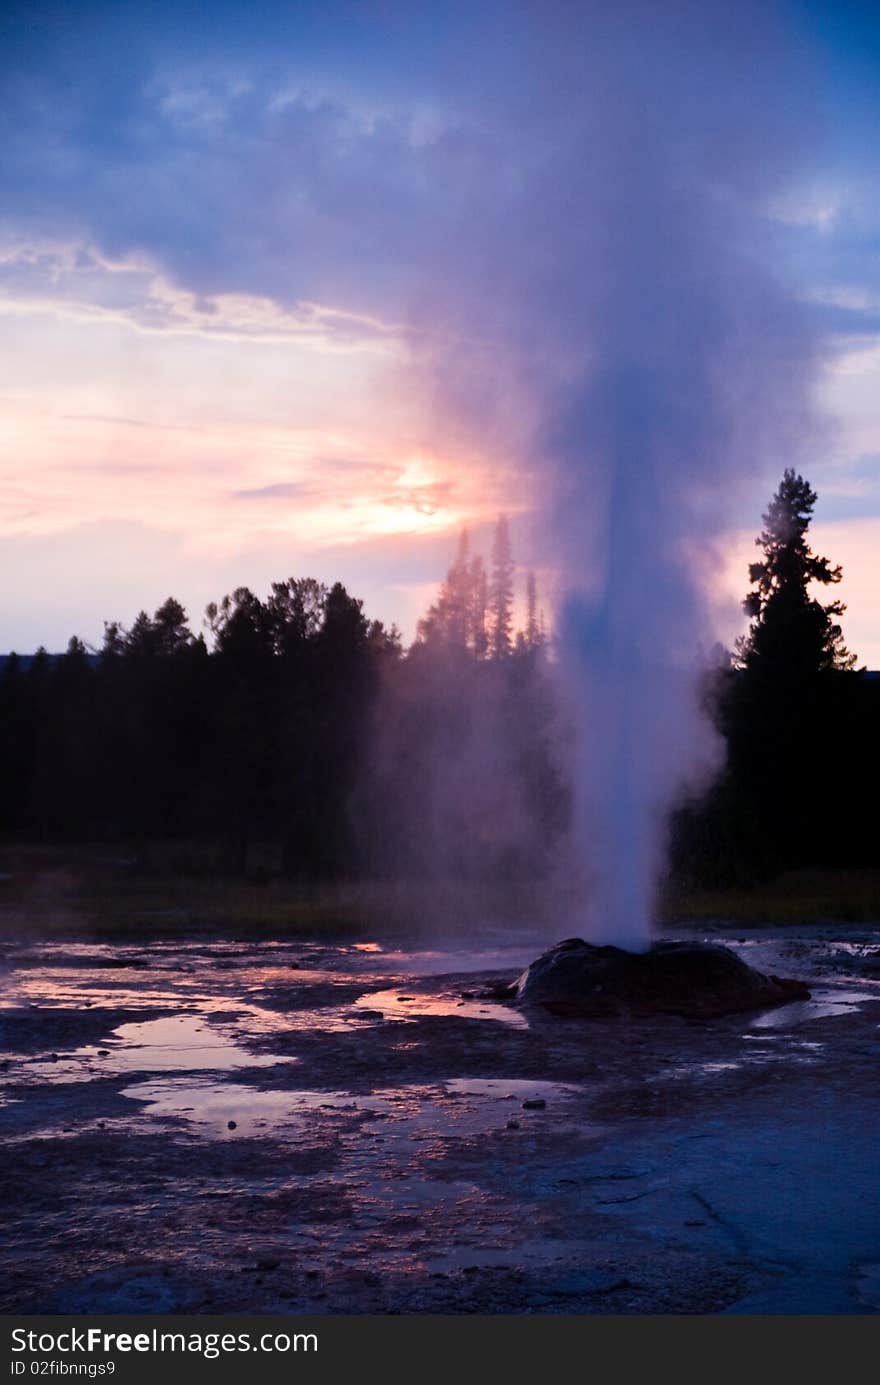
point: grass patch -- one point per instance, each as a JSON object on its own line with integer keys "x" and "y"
{"x": 101, "y": 893}
{"x": 806, "y": 896}
{"x": 104, "y": 893}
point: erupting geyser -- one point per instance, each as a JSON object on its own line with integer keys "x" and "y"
{"x": 696, "y": 372}
{"x": 614, "y": 320}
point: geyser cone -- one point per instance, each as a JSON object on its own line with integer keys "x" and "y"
{"x": 697, "y": 980}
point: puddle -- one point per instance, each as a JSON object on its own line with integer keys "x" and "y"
{"x": 455, "y": 960}
{"x": 711, "y": 1069}
{"x": 461, "y": 1106}
{"x": 503, "y": 1089}
{"x": 214, "y": 1104}
{"x": 182, "y": 1043}
{"x": 177, "y": 1043}
{"x": 824, "y": 1005}
{"x": 397, "y": 1005}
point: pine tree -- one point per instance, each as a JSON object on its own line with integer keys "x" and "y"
{"x": 113, "y": 646}
{"x": 792, "y": 634}
{"x": 141, "y": 640}
{"x": 783, "y": 708}
{"x": 501, "y": 593}
{"x": 533, "y": 629}
{"x": 459, "y": 594}
{"x": 479, "y": 586}
{"x": 450, "y": 620}
{"x": 171, "y": 630}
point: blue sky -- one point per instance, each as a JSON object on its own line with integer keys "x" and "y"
{"x": 303, "y": 288}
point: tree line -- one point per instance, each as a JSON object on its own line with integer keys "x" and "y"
{"x": 297, "y": 732}
{"x": 294, "y": 729}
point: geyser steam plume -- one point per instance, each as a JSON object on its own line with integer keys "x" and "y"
{"x": 633, "y": 347}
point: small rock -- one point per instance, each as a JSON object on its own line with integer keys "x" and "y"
{"x": 103, "y": 1052}
{"x": 267, "y": 1264}
{"x": 499, "y": 990}
{"x": 534, "y": 1103}
{"x": 232, "y": 1125}
{"x": 512, "y": 1125}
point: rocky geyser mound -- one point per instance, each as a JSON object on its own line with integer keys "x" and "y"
{"x": 697, "y": 980}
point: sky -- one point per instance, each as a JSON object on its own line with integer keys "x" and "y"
{"x": 229, "y": 241}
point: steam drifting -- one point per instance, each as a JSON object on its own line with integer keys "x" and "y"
{"x": 572, "y": 205}
{"x": 631, "y": 347}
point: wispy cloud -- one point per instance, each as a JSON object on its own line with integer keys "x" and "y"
{"x": 280, "y": 490}
{"x": 83, "y": 285}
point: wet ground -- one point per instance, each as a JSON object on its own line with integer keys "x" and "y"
{"x": 288, "y": 1126}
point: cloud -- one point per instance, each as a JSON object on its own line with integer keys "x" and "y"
{"x": 280, "y": 490}
{"x": 83, "y": 285}
{"x": 265, "y": 191}
{"x": 425, "y": 500}
{"x": 848, "y": 324}
{"x": 849, "y": 490}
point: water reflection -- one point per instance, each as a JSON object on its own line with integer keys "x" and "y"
{"x": 823, "y": 1005}
{"x": 462, "y": 1106}
{"x": 392, "y": 1005}
{"x": 175, "y": 1043}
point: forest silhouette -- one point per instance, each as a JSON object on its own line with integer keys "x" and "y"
{"x": 297, "y": 736}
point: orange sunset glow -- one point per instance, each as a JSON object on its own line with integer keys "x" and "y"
{"x": 227, "y": 427}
